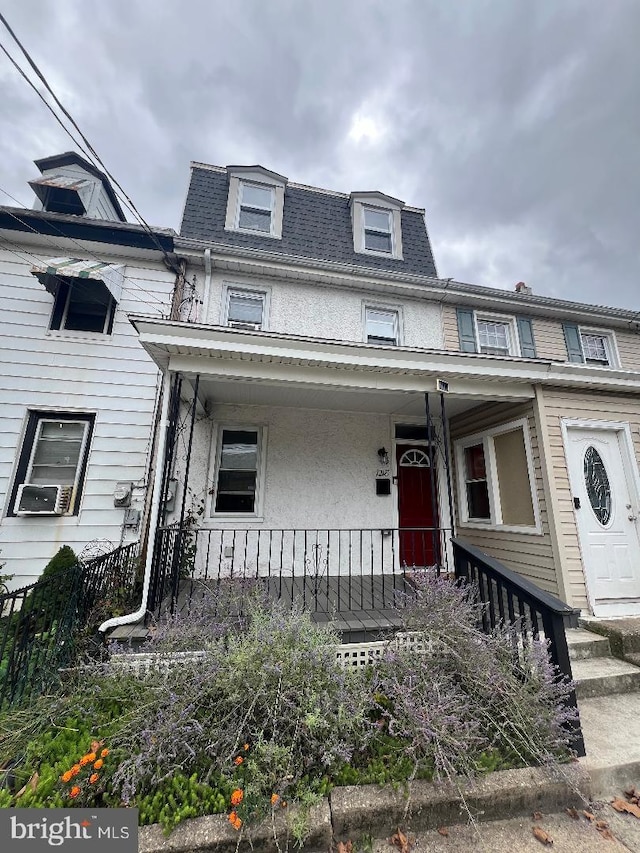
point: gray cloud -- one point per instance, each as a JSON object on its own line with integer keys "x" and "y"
{"x": 515, "y": 124}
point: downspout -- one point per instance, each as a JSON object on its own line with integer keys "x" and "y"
{"x": 130, "y": 618}
{"x": 207, "y": 286}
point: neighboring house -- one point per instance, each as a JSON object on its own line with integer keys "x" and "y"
{"x": 77, "y": 392}
{"x": 318, "y": 337}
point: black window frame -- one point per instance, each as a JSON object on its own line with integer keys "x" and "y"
{"x": 31, "y": 430}
{"x": 60, "y": 309}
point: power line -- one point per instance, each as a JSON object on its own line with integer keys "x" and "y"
{"x": 68, "y": 115}
{"x": 38, "y": 261}
{"x": 71, "y": 239}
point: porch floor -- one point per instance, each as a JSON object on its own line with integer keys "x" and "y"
{"x": 361, "y": 608}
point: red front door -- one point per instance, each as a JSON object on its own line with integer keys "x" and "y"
{"x": 417, "y": 507}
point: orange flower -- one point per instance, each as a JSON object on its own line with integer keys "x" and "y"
{"x": 84, "y": 760}
{"x": 91, "y": 757}
{"x": 94, "y": 778}
{"x": 237, "y": 823}
{"x": 68, "y": 776}
{"x": 104, "y": 753}
{"x": 236, "y": 797}
{"x": 232, "y": 817}
{"x": 246, "y": 747}
{"x": 238, "y": 760}
{"x": 274, "y": 799}
{"x": 74, "y": 791}
{"x": 75, "y": 770}
{"x": 98, "y": 764}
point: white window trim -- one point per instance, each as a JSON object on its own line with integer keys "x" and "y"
{"x": 611, "y": 346}
{"x": 230, "y": 287}
{"x": 391, "y": 309}
{"x": 390, "y": 231}
{"x": 510, "y": 322}
{"x": 272, "y": 194}
{"x": 257, "y": 178}
{"x": 357, "y": 216}
{"x": 216, "y": 449}
{"x": 494, "y": 522}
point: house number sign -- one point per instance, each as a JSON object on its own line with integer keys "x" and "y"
{"x": 383, "y": 472}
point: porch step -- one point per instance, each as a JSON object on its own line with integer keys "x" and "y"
{"x": 604, "y": 676}
{"x": 623, "y": 634}
{"x": 613, "y": 752}
{"x": 584, "y": 644}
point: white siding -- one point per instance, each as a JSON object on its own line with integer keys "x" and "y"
{"x": 108, "y": 375}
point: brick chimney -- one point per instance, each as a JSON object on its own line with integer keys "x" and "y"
{"x": 521, "y": 287}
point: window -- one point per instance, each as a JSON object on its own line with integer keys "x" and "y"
{"x": 493, "y": 337}
{"x": 377, "y": 230}
{"x": 377, "y": 224}
{"x": 54, "y": 453}
{"x": 236, "y": 487}
{"x": 381, "y": 327}
{"x": 83, "y": 305}
{"x": 255, "y": 208}
{"x": 495, "y": 472}
{"x": 245, "y": 308}
{"x": 494, "y": 334}
{"x": 255, "y": 202}
{"x": 590, "y": 346}
{"x": 475, "y": 476}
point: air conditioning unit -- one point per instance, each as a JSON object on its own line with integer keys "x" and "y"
{"x": 42, "y": 500}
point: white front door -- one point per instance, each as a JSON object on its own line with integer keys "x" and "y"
{"x": 601, "y": 471}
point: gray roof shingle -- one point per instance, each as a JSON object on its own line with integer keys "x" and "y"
{"x": 316, "y": 225}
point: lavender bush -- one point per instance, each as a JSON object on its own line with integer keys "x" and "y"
{"x": 463, "y": 704}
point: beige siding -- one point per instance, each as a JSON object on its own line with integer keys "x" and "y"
{"x": 628, "y": 349}
{"x": 529, "y": 554}
{"x": 562, "y": 403}
{"x": 450, "y": 328}
{"x": 549, "y": 338}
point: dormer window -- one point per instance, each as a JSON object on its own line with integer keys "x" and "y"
{"x": 255, "y": 210}
{"x": 378, "y": 230}
{"x": 377, "y": 224}
{"x": 255, "y": 203}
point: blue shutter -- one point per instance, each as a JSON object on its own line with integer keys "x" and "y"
{"x": 466, "y": 331}
{"x": 525, "y": 333}
{"x": 574, "y": 344}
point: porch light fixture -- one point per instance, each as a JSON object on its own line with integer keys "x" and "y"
{"x": 383, "y": 456}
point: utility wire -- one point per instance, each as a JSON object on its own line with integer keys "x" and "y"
{"x": 68, "y": 115}
{"x": 75, "y": 242}
{"x": 35, "y": 260}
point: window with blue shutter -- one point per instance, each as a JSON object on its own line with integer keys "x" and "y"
{"x": 525, "y": 333}
{"x": 574, "y": 343}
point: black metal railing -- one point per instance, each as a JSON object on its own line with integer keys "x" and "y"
{"x": 531, "y": 613}
{"x": 40, "y": 624}
{"x": 326, "y": 570}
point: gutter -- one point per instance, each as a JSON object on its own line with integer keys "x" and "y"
{"x": 131, "y": 618}
{"x": 206, "y": 292}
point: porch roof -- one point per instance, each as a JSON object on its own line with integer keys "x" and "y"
{"x": 236, "y": 365}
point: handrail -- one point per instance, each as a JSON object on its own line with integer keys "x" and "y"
{"x": 526, "y": 588}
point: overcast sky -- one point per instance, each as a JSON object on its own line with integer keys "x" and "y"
{"x": 515, "y": 123}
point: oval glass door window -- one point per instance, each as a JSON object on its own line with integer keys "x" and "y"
{"x": 597, "y": 483}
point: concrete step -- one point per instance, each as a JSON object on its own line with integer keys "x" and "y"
{"x": 610, "y": 730}
{"x": 584, "y": 644}
{"x": 604, "y": 676}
